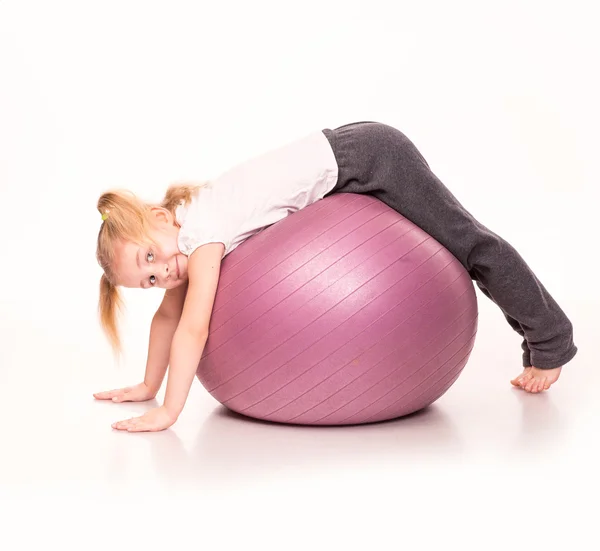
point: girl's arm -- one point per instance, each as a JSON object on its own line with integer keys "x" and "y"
{"x": 164, "y": 324}
{"x": 162, "y": 329}
{"x": 188, "y": 342}
{"x": 204, "y": 266}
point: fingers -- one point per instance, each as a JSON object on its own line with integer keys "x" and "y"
{"x": 128, "y": 424}
{"x": 135, "y": 424}
{"x": 110, "y": 394}
{"x": 125, "y": 396}
{"x": 154, "y": 420}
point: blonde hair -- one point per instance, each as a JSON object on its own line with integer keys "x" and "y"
{"x": 127, "y": 218}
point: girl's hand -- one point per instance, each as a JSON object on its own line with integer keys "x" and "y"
{"x": 154, "y": 420}
{"x": 137, "y": 393}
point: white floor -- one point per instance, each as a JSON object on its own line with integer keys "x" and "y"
{"x": 504, "y": 106}
{"x": 485, "y": 464}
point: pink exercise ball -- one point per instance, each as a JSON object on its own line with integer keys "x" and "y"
{"x": 342, "y": 313}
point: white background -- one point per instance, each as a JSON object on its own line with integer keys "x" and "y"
{"x": 502, "y": 100}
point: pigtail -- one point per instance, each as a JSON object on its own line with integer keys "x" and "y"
{"x": 180, "y": 193}
{"x": 109, "y": 304}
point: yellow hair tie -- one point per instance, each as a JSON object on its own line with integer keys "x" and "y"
{"x": 105, "y": 216}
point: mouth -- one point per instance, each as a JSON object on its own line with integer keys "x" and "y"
{"x": 177, "y": 267}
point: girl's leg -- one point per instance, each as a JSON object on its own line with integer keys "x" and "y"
{"x": 380, "y": 160}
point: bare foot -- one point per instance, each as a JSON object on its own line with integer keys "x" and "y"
{"x": 534, "y": 379}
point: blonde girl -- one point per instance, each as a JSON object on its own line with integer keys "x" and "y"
{"x": 179, "y": 245}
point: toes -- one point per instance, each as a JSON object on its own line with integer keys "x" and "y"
{"x": 535, "y": 385}
{"x": 522, "y": 378}
{"x": 525, "y": 381}
{"x": 517, "y": 381}
{"x": 532, "y": 382}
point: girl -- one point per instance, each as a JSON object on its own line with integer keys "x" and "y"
{"x": 179, "y": 245}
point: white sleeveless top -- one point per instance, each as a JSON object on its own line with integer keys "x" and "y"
{"x": 258, "y": 193}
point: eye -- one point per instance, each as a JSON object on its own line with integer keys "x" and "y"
{"x": 150, "y": 258}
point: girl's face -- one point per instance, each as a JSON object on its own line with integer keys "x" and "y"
{"x": 161, "y": 265}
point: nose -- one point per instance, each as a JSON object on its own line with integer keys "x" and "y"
{"x": 162, "y": 274}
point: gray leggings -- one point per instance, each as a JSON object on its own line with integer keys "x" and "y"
{"x": 379, "y": 160}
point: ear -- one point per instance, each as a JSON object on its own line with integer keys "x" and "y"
{"x": 161, "y": 215}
